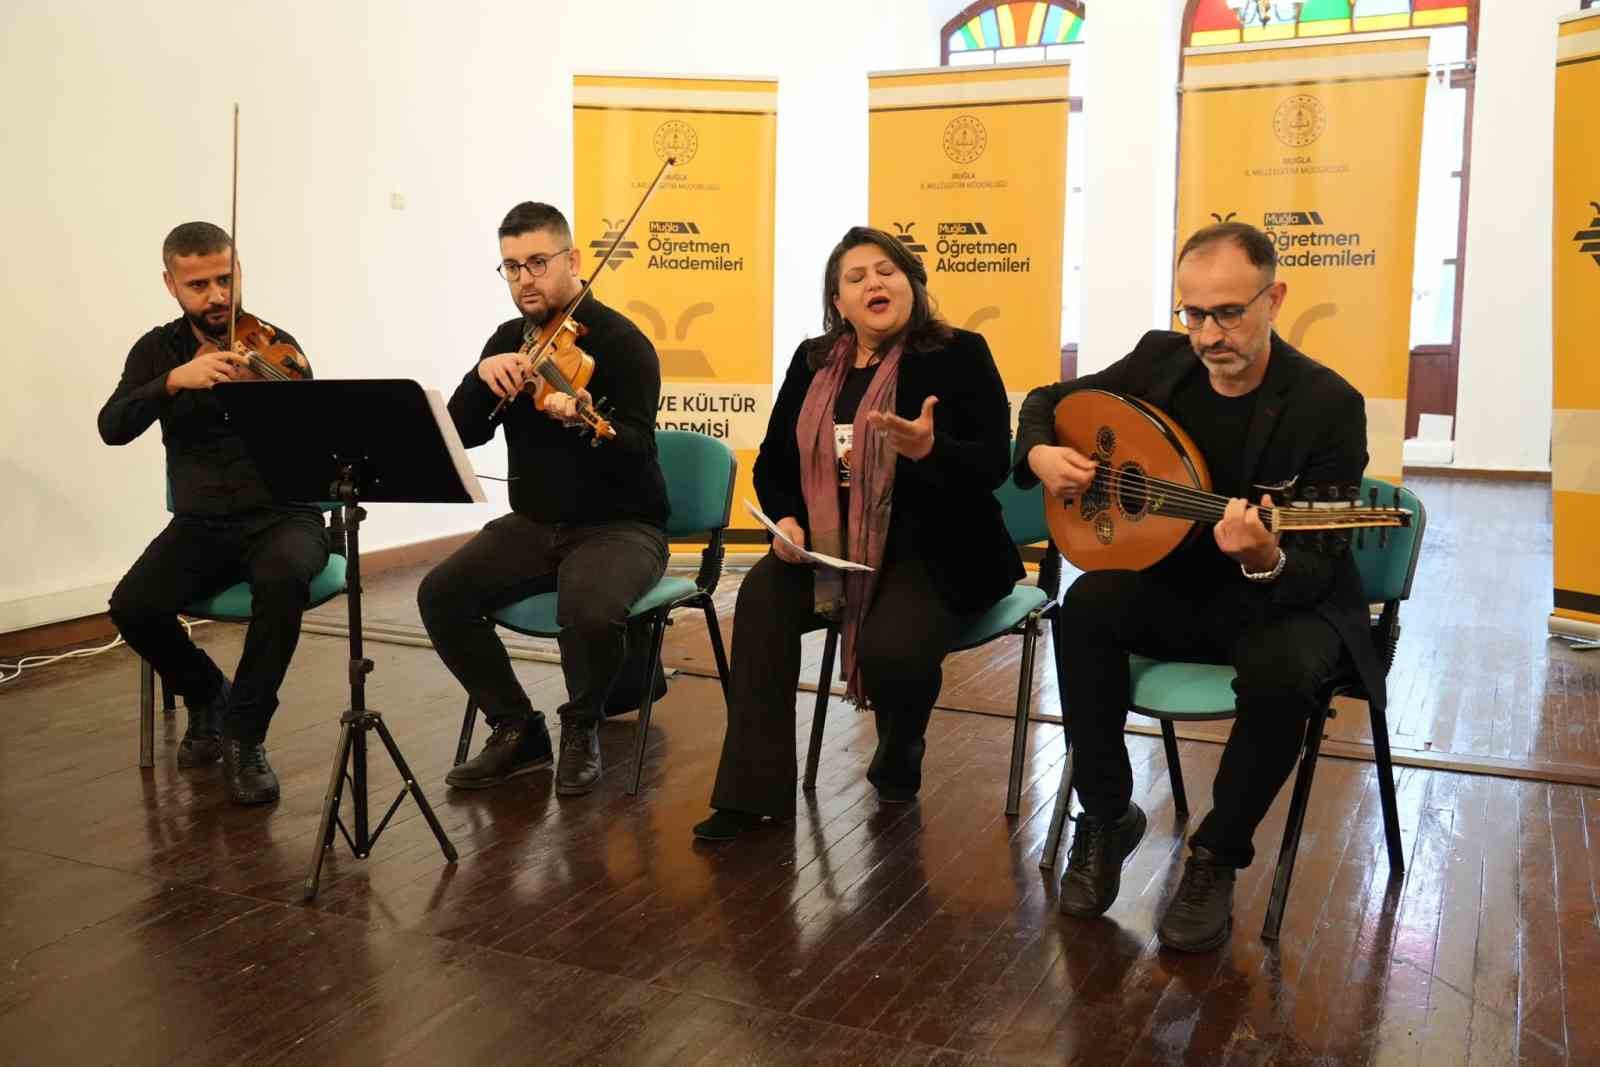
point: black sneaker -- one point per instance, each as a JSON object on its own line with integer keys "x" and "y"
{"x": 726, "y": 824}
{"x": 579, "y": 768}
{"x": 512, "y": 749}
{"x": 202, "y": 741}
{"x": 1100, "y": 848}
{"x": 247, "y": 772}
{"x": 1200, "y": 916}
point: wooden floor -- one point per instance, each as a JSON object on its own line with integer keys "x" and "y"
{"x": 143, "y": 919}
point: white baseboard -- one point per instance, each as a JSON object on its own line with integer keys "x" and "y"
{"x": 54, "y": 607}
{"x": 1420, "y": 453}
{"x": 1561, "y": 626}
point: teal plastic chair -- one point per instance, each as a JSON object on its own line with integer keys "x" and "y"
{"x": 233, "y": 604}
{"x": 699, "y": 472}
{"x": 1022, "y": 612}
{"x": 1174, "y": 692}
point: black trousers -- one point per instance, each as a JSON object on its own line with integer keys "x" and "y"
{"x": 1285, "y": 661}
{"x": 599, "y": 569}
{"x": 904, "y": 639}
{"x": 277, "y": 550}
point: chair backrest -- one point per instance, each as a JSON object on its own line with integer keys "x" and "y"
{"x": 1023, "y": 512}
{"x": 1387, "y": 568}
{"x": 699, "y": 471}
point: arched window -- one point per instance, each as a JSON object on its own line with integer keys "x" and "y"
{"x": 1244, "y": 21}
{"x": 1030, "y": 32}
{"x": 1452, "y": 26}
{"x": 1019, "y": 32}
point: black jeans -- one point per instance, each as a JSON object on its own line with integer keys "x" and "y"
{"x": 599, "y": 569}
{"x": 279, "y": 550}
{"x": 904, "y": 639}
{"x": 1284, "y": 659}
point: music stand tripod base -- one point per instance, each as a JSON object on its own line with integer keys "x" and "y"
{"x": 350, "y": 759}
{"x": 355, "y": 441}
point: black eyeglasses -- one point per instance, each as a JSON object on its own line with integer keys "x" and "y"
{"x": 1226, "y": 316}
{"x": 511, "y": 270}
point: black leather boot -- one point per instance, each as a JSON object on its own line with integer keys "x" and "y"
{"x": 579, "y": 768}
{"x": 1200, "y": 916}
{"x": 1100, "y": 847}
{"x": 202, "y": 741}
{"x": 247, "y": 772}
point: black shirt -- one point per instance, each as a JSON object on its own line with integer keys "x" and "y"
{"x": 1218, "y": 425}
{"x": 208, "y": 468}
{"x": 845, "y": 406}
{"x": 556, "y": 476}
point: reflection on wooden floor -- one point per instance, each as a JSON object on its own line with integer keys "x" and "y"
{"x": 145, "y": 920}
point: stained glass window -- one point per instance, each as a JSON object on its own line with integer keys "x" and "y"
{"x": 998, "y": 27}
{"x": 1236, "y": 21}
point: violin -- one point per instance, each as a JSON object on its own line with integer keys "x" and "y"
{"x": 559, "y": 365}
{"x": 261, "y": 354}
{"x": 555, "y": 362}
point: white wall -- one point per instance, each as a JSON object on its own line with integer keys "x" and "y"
{"x": 1503, "y": 400}
{"x": 464, "y": 108}
{"x": 1132, "y": 168}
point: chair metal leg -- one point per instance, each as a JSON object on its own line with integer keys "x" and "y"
{"x": 1019, "y": 732}
{"x": 1059, "y": 813}
{"x": 1180, "y": 799}
{"x": 1293, "y": 825}
{"x": 657, "y": 636}
{"x": 147, "y": 714}
{"x": 714, "y": 631}
{"x": 819, "y": 717}
{"x": 469, "y": 719}
{"x": 1391, "y": 809}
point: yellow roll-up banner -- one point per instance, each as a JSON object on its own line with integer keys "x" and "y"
{"x": 968, "y": 167}
{"x": 1320, "y": 145}
{"x": 1575, "y": 427}
{"x": 695, "y": 270}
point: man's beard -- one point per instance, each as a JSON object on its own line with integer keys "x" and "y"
{"x": 201, "y": 325}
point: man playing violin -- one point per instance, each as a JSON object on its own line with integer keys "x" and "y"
{"x": 224, "y": 528}
{"x": 1288, "y": 617}
{"x": 588, "y": 518}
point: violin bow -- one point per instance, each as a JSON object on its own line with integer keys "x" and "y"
{"x": 572, "y": 305}
{"x": 233, "y": 238}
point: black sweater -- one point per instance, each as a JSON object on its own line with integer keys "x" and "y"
{"x": 557, "y": 477}
{"x": 208, "y": 467}
{"x": 944, "y": 507}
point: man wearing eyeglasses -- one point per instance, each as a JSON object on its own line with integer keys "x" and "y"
{"x": 588, "y": 519}
{"x": 1286, "y": 616}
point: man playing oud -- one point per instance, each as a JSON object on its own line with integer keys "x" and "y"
{"x": 1285, "y": 616}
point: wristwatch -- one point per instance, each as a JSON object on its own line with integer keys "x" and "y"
{"x": 1266, "y": 576}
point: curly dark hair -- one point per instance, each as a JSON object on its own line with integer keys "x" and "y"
{"x": 924, "y": 330}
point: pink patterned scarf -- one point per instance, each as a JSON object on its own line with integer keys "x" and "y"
{"x": 846, "y": 595}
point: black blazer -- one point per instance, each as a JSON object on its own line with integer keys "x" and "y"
{"x": 1309, "y": 424}
{"x": 944, "y": 504}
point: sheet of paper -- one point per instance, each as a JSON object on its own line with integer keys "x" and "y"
{"x": 815, "y": 557}
{"x": 452, "y": 440}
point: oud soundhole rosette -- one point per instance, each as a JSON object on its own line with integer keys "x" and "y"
{"x": 1105, "y": 530}
{"x": 1105, "y": 441}
{"x": 1132, "y": 491}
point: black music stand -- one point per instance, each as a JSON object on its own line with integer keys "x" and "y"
{"x": 383, "y": 441}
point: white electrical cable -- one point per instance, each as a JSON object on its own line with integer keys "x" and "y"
{"x": 28, "y": 663}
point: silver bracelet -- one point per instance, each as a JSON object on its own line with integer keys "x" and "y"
{"x": 1266, "y": 576}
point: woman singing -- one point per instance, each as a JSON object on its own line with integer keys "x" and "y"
{"x": 886, "y": 443}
